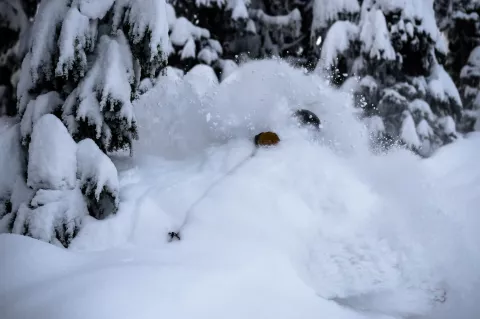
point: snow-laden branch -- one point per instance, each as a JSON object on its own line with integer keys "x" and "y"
{"x": 294, "y": 19}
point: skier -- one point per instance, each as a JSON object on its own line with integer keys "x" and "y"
{"x": 305, "y": 118}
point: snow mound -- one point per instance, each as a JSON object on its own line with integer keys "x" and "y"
{"x": 202, "y": 78}
{"x": 52, "y": 155}
{"x": 313, "y": 226}
{"x": 175, "y": 122}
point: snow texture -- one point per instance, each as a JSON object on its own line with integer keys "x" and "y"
{"x": 76, "y": 36}
{"x": 472, "y": 68}
{"x": 422, "y": 108}
{"x": 183, "y": 30}
{"x": 327, "y": 11}
{"x": 202, "y": 78}
{"x": 375, "y": 37}
{"x": 25, "y": 84}
{"x": 375, "y": 125}
{"x": 411, "y": 10}
{"x": 207, "y": 55}
{"x": 53, "y": 216}
{"x": 171, "y": 16}
{"x": 11, "y": 159}
{"x": 408, "y": 132}
{"x": 239, "y": 9}
{"x": 44, "y": 104}
{"x": 448, "y": 125}
{"x": 189, "y": 49}
{"x": 228, "y": 67}
{"x": 96, "y": 171}
{"x": 424, "y": 130}
{"x": 338, "y": 40}
{"x": 144, "y": 18}
{"x": 50, "y": 14}
{"x": 110, "y": 80}
{"x": 442, "y": 87}
{"x": 94, "y": 9}
{"x": 52, "y": 160}
{"x": 369, "y": 82}
{"x": 319, "y": 226}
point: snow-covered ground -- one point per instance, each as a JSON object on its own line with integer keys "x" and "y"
{"x": 315, "y": 228}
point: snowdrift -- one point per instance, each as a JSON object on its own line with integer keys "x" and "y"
{"x": 181, "y": 117}
{"x": 314, "y": 227}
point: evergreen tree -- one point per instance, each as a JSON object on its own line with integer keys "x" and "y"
{"x": 470, "y": 90}
{"x": 82, "y": 71}
{"x": 325, "y": 14}
{"x": 463, "y": 32}
{"x": 245, "y": 28}
{"x": 15, "y": 16}
{"x": 395, "y": 52}
{"x": 190, "y": 44}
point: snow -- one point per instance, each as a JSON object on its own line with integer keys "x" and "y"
{"x": 51, "y": 160}
{"x": 50, "y": 14}
{"x": 448, "y": 125}
{"x": 49, "y": 211}
{"x": 424, "y": 130}
{"x": 11, "y": 159}
{"x": 108, "y": 82}
{"x": 228, "y": 67}
{"x": 472, "y": 69}
{"x": 327, "y": 11}
{"x": 215, "y": 45}
{"x": 183, "y": 30}
{"x": 170, "y": 126}
{"x": 171, "y": 16}
{"x": 441, "y": 85}
{"x": 25, "y": 83}
{"x": 239, "y": 9}
{"x": 411, "y": 10}
{"x": 369, "y": 82}
{"x": 421, "y": 107}
{"x": 145, "y": 18}
{"x": 375, "y": 37}
{"x": 95, "y": 170}
{"x": 338, "y": 40}
{"x": 188, "y": 50}
{"x": 207, "y": 55}
{"x": 313, "y": 226}
{"x": 202, "y": 78}
{"x": 44, "y": 104}
{"x": 251, "y": 27}
{"x": 94, "y": 9}
{"x": 375, "y": 125}
{"x": 77, "y": 35}
{"x": 408, "y": 132}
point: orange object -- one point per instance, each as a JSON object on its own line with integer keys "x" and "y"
{"x": 266, "y": 139}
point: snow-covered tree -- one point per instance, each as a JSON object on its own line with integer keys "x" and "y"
{"x": 83, "y": 68}
{"x": 94, "y": 54}
{"x": 15, "y": 25}
{"x": 65, "y": 183}
{"x": 243, "y": 27}
{"x": 463, "y": 33}
{"x": 325, "y": 15}
{"x": 394, "y": 52}
{"x": 470, "y": 90}
{"x": 190, "y": 44}
{"x": 462, "y": 28}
